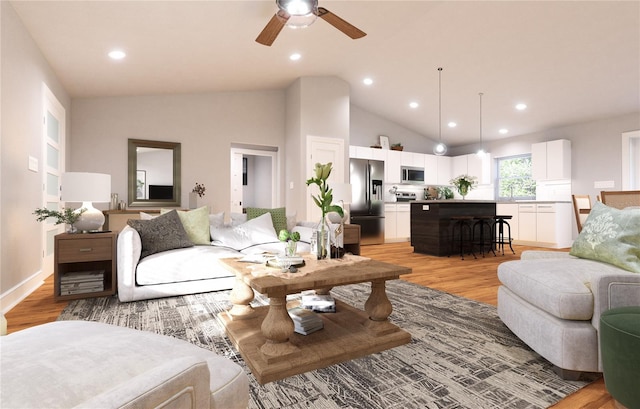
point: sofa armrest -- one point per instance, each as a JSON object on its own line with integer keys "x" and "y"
{"x": 178, "y": 383}
{"x": 613, "y": 291}
{"x": 541, "y": 254}
{"x": 129, "y": 250}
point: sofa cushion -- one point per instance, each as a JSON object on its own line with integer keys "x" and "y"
{"x": 612, "y": 236}
{"x": 216, "y": 219}
{"x": 278, "y": 216}
{"x": 162, "y": 233}
{"x": 255, "y": 231}
{"x": 559, "y": 286}
{"x": 195, "y": 223}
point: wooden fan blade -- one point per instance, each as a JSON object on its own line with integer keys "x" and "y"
{"x": 272, "y": 29}
{"x": 340, "y": 24}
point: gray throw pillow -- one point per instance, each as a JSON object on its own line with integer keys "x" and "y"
{"x": 611, "y": 236}
{"x": 162, "y": 233}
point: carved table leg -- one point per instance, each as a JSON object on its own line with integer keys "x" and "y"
{"x": 379, "y": 308}
{"x": 241, "y": 297}
{"x": 277, "y": 327}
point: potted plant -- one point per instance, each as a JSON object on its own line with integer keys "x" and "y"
{"x": 397, "y": 146}
{"x": 464, "y": 184}
{"x": 66, "y": 215}
{"x": 324, "y": 201}
{"x": 291, "y": 240}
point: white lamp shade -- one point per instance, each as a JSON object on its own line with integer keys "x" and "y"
{"x": 86, "y": 187}
{"x": 341, "y": 192}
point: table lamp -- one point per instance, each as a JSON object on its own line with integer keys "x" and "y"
{"x": 87, "y": 188}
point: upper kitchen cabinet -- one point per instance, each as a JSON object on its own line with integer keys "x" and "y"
{"x": 473, "y": 165}
{"x": 412, "y": 159}
{"x": 392, "y": 167}
{"x": 431, "y": 170}
{"x": 363, "y": 152}
{"x": 551, "y": 160}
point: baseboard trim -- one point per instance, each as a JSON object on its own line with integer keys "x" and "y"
{"x": 22, "y": 290}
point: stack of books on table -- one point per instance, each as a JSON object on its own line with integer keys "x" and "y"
{"x": 82, "y": 282}
{"x": 305, "y": 321}
{"x": 318, "y": 303}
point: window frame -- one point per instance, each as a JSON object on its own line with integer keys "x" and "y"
{"x": 499, "y": 179}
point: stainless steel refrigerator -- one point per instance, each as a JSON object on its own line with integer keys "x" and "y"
{"x": 367, "y": 202}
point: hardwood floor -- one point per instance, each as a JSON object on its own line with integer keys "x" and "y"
{"x": 470, "y": 278}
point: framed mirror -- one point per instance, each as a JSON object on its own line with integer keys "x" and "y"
{"x": 154, "y": 173}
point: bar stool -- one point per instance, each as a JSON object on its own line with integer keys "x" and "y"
{"x": 484, "y": 226}
{"x": 462, "y": 224}
{"x": 500, "y": 240}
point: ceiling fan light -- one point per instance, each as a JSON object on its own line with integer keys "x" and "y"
{"x": 301, "y": 21}
{"x": 298, "y": 8}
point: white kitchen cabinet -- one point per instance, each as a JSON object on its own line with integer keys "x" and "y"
{"x": 431, "y": 170}
{"x": 527, "y": 226}
{"x": 444, "y": 169}
{"x": 403, "y": 221}
{"x": 392, "y": 167}
{"x": 545, "y": 224}
{"x": 363, "y": 152}
{"x": 390, "y": 222}
{"x": 473, "y": 165}
{"x": 412, "y": 159}
{"x": 551, "y": 160}
{"x": 510, "y": 209}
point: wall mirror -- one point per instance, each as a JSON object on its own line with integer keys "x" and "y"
{"x": 154, "y": 173}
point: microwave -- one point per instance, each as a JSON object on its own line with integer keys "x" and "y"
{"x": 412, "y": 175}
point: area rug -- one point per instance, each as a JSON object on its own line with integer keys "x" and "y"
{"x": 460, "y": 356}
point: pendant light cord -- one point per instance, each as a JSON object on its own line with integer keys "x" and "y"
{"x": 440, "y": 104}
{"x": 481, "y": 144}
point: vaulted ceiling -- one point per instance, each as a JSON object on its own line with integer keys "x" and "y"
{"x": 568, "y": 61}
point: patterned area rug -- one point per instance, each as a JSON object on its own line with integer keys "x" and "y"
{"x": 461, "y": 355}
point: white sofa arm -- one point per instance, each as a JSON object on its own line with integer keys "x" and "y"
{"x": 542, "y": 254}
{"x": 129, "y": 250}
{"x": 613, "y": 291}
{"x": 178, "y": 383}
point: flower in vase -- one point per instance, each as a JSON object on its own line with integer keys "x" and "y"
{"x": 324, "y": 201}
{"x": 464, "y": 183}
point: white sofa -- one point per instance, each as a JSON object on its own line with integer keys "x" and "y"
{"x": 80, "y": 364}
{"x": 194, "y": 269}
{"x": 553, "y": 301}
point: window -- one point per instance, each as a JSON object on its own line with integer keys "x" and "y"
{"x": 514, "y": 178}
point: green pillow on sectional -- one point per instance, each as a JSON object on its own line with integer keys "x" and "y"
{"x": 195, "y": 223}
{"x": 278, "y": 216}
{"x": 611, "y": 236}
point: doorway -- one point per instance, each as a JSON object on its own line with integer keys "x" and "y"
{"x": 254, "y": 177}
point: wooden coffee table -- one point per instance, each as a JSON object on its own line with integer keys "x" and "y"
{"x": 265, "y": 335}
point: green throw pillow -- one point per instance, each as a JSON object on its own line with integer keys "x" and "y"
{"x": 278, "y": 216}
{"x": 161, "y": 233}
{"x": 195, "y": 223}
{"x": 611, "y": 236}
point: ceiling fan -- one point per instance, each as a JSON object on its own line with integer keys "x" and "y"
{"x": 302, "y": 13}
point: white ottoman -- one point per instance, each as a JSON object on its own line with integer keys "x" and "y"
{"x": 67, "y": 364}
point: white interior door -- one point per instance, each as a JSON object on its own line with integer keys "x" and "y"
{"x": 236, "y": 181}
{"x": 631, "y": 160}
{"x": 323, "y": 150}
{"x": 52, "y": 168}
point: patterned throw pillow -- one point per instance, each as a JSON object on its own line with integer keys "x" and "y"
{"x": 162, "y": 233}
{"x": 611, "y": 236}
{"x": 195, "y": 223}
{"x": 278, "y": 216}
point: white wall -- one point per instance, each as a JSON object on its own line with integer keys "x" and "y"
{"x": 23, "y": 71}
{"x": 205, "y": 124}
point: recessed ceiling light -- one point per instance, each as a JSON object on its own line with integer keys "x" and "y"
{"x": 295, "y": 57}
{"x": 367, "y": 81}
{"x": 521, "y": 106}
{"x": 503, "y": 131}
{"x": 117, "y": 54}
{"x": 452, "y": 124}
{"x": 414, "y": 105}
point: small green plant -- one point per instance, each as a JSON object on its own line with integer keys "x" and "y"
{"x": 66, "y": 215}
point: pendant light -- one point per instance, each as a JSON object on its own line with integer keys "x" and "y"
{"x": 481, "y": 151}
{"x": 440, "y": 149}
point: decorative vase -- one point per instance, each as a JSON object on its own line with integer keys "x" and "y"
{"x": 463, "y": 190}
{"x": 323, "y": 245}
{"x": 193, "y": 200}
{"x": 290, "y": 248}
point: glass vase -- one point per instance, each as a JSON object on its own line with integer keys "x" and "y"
{"x": 290, "y": 248}
{"x": 463, "y": 190}
{"x": 323, "y": 244}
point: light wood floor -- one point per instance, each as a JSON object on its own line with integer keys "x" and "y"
{"x": 474, "y": 279}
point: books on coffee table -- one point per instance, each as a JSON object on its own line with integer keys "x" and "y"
{"x": 305, "y": 321}
{"x": 318, "y": 302}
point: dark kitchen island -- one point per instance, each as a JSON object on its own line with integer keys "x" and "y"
{"x": 431, "y": 222}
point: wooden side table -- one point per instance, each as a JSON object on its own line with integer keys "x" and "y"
{"x": 352, "y": 239}
{"x": 80, "y": 261}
